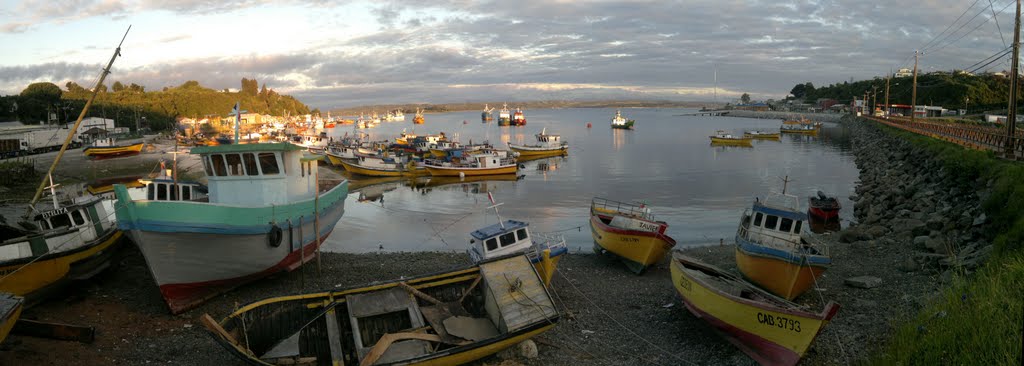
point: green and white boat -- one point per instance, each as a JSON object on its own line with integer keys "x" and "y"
{"x": 621, "y": 122}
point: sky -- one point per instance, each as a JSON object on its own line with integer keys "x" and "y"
{"x": 332, "y": 54}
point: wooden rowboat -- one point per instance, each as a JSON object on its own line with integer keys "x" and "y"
{"x": 629, "y": 232}
{"x": 448, "y": 318}
{"x": 767, "y": 328}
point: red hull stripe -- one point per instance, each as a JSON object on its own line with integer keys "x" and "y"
{"x": 823, "y": 213}
{"x": 660, "y": 234}
{"x": 184, "y": 296}
{"x": 761, "y": 350}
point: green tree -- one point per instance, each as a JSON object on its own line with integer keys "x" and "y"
{"x": 37, "y": 100}
{"x": 799, "y": 91}
{"x": 74, "y": 88}
{"x": 118, "y": 86}
{"x": 745, "y": 98}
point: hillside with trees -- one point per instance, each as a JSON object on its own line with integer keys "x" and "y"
{"x": 158, "y": 109}
{"x": 947, "y": 89}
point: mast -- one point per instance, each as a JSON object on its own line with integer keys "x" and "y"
{"x": 71, "y": 132}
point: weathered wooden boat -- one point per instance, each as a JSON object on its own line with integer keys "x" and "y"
{"x": 477, "y": 163}
{"x": 621, "y": 122}
{"x": 547, "y": 145}
{"x": 504, "y": 116}
{"x": 770, "y": 330}
{"x": 10, "y": 311}
{"x": 823, "y": 213}
{"x": 448, "y": 318}
{"x": 723, "y": 138}
{"x": 383, "y": 166}
{"x": 630, "y": 232}
{"x": 802, "y": 127}
{"x": 514, "y": 237}
{"x": 106, "y": 185}
{"x": 771, "y": 252}
{"x": 761, "y": 135}
{"x": 266, "y": 212}
{"x": 109, "y": 148}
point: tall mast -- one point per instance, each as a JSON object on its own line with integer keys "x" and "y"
{"x": 71, "y": 132}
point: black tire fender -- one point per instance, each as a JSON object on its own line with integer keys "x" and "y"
{"x": 274, "y": 236}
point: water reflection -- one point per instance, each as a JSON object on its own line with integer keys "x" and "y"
{"x": 620, "y": 138}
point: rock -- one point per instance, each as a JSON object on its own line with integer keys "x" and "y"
{"x": 528, "y": 349}
{"x": 863, "y": 282}
{"x": 936, "y": 222}
{"x": 909, "y": 265}
{"x": 910, "y": 225}
{"x": 978, "y": 221}
{"x": 851, "y": 235}
{"x": 920, "y": 240}
{"x": 876, "y": 231}
{"x": 863, "y": 303}
{"x": 937, "y": 245}
{"x": 854, "y": 198}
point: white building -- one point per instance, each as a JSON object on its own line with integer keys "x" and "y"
{"x": 902, "y": 73}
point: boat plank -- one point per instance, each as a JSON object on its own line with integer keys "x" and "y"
{"x": 518, "y": 292}
{"x": 334, "y": 338}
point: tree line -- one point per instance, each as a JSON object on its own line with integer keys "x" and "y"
{"x": 946, "y": 89}
{"x": 128, "y": 104}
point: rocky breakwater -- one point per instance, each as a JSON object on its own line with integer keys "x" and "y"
{"x": 908, "y": 198}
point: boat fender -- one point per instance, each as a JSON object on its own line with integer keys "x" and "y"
{"x": 275, "y": 235}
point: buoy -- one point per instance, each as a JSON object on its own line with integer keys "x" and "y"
{"x": 464, "y": 122}
{"x": 588, "y": 124}
{"x": 462, "y": 175}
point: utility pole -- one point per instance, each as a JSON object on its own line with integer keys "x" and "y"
{"x": 874, "y": 99}
{"x": 1011, "y": 115}
{"x": 913, "y": 94}
{"x": 887, "y": 77}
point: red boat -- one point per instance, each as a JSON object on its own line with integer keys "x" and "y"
{"x": 823, "y": 213}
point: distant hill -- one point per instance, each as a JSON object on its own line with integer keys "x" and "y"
{"x": 548, "y": 104}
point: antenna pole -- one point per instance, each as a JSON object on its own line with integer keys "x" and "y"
{"x": 785, "y": 183}
{"x": 71, "y": 132}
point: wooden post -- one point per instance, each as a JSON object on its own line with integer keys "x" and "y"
{"x": 913, "y": 94}
{"x": 1011, "y": 115}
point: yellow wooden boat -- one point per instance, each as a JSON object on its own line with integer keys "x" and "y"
{"x": 767, "y": 328}
{"x": 761, "y": 135}
{"x": 802, "y": 127}
{"x": 723, "y": 138}
{"x": 547, "y": 145}
{"x": 628, "y": 231}
{"x": 486, "y": 163}
{"x": 448, "y": 318}
{"x": 381, "y": 166}
{"x": 106, "y": 148}
{"x": 10, "y": 311}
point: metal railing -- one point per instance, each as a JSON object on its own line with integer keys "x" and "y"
{"x": 974, "y": 137}
{"x": 630, "y": 209}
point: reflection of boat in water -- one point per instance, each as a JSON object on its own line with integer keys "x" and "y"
{"x": 375, "y": 192}
{"x": 446, "y": 318}
{"x": 770, "y": 330}
{"x": 437, "y": 181}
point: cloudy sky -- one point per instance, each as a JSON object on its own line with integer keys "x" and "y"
{"x": 347, "y": 53}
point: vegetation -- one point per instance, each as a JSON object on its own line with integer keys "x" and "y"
{"x": 978, "y": 319}
{"x": 949, "y": 90}
{"x": 157, "y": 110}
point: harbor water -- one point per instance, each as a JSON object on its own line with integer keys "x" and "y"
{"x": 667, "y": 163}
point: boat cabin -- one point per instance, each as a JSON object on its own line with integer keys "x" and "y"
{"x": 284, "y": 174}
{"x": 500, "y": 239}
{"x": 776, "y": 220}
{"x": 169, "y": 190}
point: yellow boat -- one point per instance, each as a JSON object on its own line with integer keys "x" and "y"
{"x": 448, "y": 318}
{"x": 802, "y": 127}
{"x": 770, "y": 330}
{"x": 547, "y": 145}
{"x": 761, "y": 135}
{"x": 723, "y": 138}
{"x": 628, "y": 231}
{"x": 514, "y": 237}
{"x": 106, "y": 185}
{"x": 10, "y": 311}
{"x": 377, "y": 166}
{"x": 106, "y": 148}
{"x": 481, "y": 163}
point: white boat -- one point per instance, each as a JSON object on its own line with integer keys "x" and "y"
{"x": 546, "y": 145}
{"x": 504, "y": 116}
{"x": 621, "y": 122}
{"x": 509, "y": 237}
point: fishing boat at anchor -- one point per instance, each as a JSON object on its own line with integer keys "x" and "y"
{"x": 771, "y": 330}
{"x": 630, "y": 232}
{"x": 108, "y": 148}
{"x": 482, "y": 162}
{"x": 265, "y": 212}
{"x": 487, "y": 115}
{"x": 418, "y": 118}
{"x": 761, "y": 135}
{"x": 621, "y": 122}
{"x": 447, "y": 318}
{"x": 513, "y": 236}
{"x": 772, "y": 253}
{"x": 504, "y": 116}
{"x": 547, "y": 145}
{"x": 383, "y": 166}
{"x": 802, "y": 127}
{"x": 723, "y": 138}
{"x": 518, "y": 119}
{"x": 823, "y": 213}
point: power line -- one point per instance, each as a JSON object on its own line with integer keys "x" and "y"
{"x": 950, "y": 25}
{"x": 972, "y": 30}
{"x": 992, "y": 7}
{"x": 997, "y": 54}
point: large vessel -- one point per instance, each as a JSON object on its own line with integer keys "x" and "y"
{"x": 547, "y": 145}
{"x": 447, "y": 318}
{"x": 518, "y": 119}
{"x": 108, "y": 147}
{"x": 265, "y": 212}
{"x": 504, "y": 116}
{"x": 395, "y": 115}
{"x": 621, "y": 122}
{"x": 487, "y": 114}
{"x": 771, "y": 252}
{"x": 630, "y": 232}
{"x": 770, "y": 330}
{"x": 418, "y": 119}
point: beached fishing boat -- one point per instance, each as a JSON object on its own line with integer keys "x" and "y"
{"x": 383, "y": 166}
{"x": 761, "y": 135}
{"x": 106, "y": 185}
{"x": 802, "y": 127}
{"x": 630, "y": 232}
{"x": 518, "y": 119}
{"x": 770, "y": 330}
{"x": 723, "y": 138}
{"x": 621, "y": 122}
{"x": 487, "y": 114}
{"x": 109, "y": 148}
{"x": 770, "y": 250}
{"x": 481, "y": 162}
{"x": 10, "y": 311}
{"x": 547, "y": 145}
{"x": 514, "y": 237}
{"x": 504, "y": 116}
{"x": 448, "y": 318}
{"x": 823, "y": 213}
{"x": 266, "y": 212}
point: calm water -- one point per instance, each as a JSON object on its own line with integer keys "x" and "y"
{"x": 666, "y": 162}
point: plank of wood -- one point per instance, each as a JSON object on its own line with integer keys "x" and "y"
{"x": 386, "y": 341}
{"x": 334, "y": 338}
{"x": 58, "y": 331}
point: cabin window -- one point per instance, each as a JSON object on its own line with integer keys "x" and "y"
{"x": 492, "y": 244}
{"x": 76, "y": 216}
{"x": 149, "y": 191}
{"x": 186, "y": 193}
{"x": 161, "y": 192}
{"x": 173, "y": 189}
{"x": 234, "y": 164}
{"x": 771, "y": 221}
{"x": 521, "y": 233}
{"x": 757, "y": 219}
{"x": 797, "y": 228}
{"x": 250, "y": 164}
{"x": 268, "y": 164}
{"x": 60, "y": 221}
{"x": 209, "y": 169}
{"x": 218, "y": 165}
{"x": 508, "y": 239}
{"x": 786, "y": 225}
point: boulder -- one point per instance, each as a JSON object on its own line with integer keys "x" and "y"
{"x": 980, "y": 220}
{"x": 937, "y": 245}
{"x": 852, "y": 234}
{"x": 876, "y": 231}
{"x": 909, "y": 265}
{"x": 863, "y": 282}
{"x": 920, "y": 240}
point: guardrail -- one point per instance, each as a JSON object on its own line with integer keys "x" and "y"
{"x": 974, "y": 137}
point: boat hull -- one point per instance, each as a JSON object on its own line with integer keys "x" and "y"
{"x": 335, "y": 160}
{"x": 454, "y": 172}
{"x": 727, "y": 141}
{"x": 771, "y": 335}
{"x": 534, "y": 152}
{"x": 637, "y": 249}
{"x": 113, "y": 151}
{"x": 546, "y": 263}
{"x": 800, "y": 132}
{"x": 11, "y": 307}
{"x": 762, "y": 136}
{"x": 778, "y": 272}
{"x": 196, "y": 251}
{"x": 33, "y": 279}
{"x": 370, "y": 172}
{"x": 627, "y": 126}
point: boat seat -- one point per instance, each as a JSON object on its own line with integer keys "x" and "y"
{"x": 380, "y": 312}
